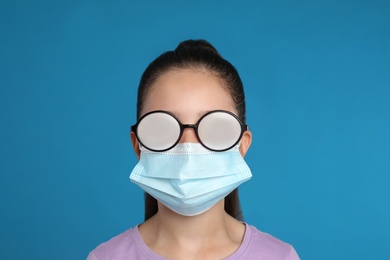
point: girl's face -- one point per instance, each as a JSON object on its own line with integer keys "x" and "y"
{"x": 189, "y": 94}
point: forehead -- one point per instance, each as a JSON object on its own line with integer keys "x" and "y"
{"x": 188, "y": 92}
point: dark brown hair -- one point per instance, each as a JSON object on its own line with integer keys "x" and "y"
{"x": 195, "y": 54}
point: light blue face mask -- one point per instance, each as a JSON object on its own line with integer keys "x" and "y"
{"x": 189, "y": 179}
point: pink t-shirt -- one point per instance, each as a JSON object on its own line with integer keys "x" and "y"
{"x": 255, "y": 245}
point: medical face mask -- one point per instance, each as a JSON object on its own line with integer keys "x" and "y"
{"x": 190, "y": 179}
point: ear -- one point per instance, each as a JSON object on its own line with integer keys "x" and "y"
{"x": 245, "y": 143}
{"x": 135, "y": 144}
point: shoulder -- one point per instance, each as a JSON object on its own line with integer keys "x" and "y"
{"x": 260, "y": 245}
{"x": 119, "y": 247}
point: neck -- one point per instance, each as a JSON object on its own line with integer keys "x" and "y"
{"x": 168, "y": 232}
{"x": 179, "y": 229}
{"x": 193, "y": 227}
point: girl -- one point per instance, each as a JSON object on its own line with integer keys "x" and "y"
{"x": 190, "y": 140}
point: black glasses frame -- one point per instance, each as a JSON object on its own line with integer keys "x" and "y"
{"x": 134, "y": 128}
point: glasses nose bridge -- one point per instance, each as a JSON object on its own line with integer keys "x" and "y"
{"x": 193, "y": 126}
{"x": 188, "y": 137}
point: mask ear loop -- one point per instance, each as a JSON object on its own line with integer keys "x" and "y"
{"x": 140, "y": 146}
{"x": 239, "y": 142}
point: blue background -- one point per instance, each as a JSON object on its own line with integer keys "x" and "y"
{"x": 317, "y": 83}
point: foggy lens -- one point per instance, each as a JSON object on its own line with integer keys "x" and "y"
{"x": 158, "y": 131}
{"x": 219, "y": 130}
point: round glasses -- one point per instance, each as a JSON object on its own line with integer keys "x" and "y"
{"x": 217, "y": 130}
